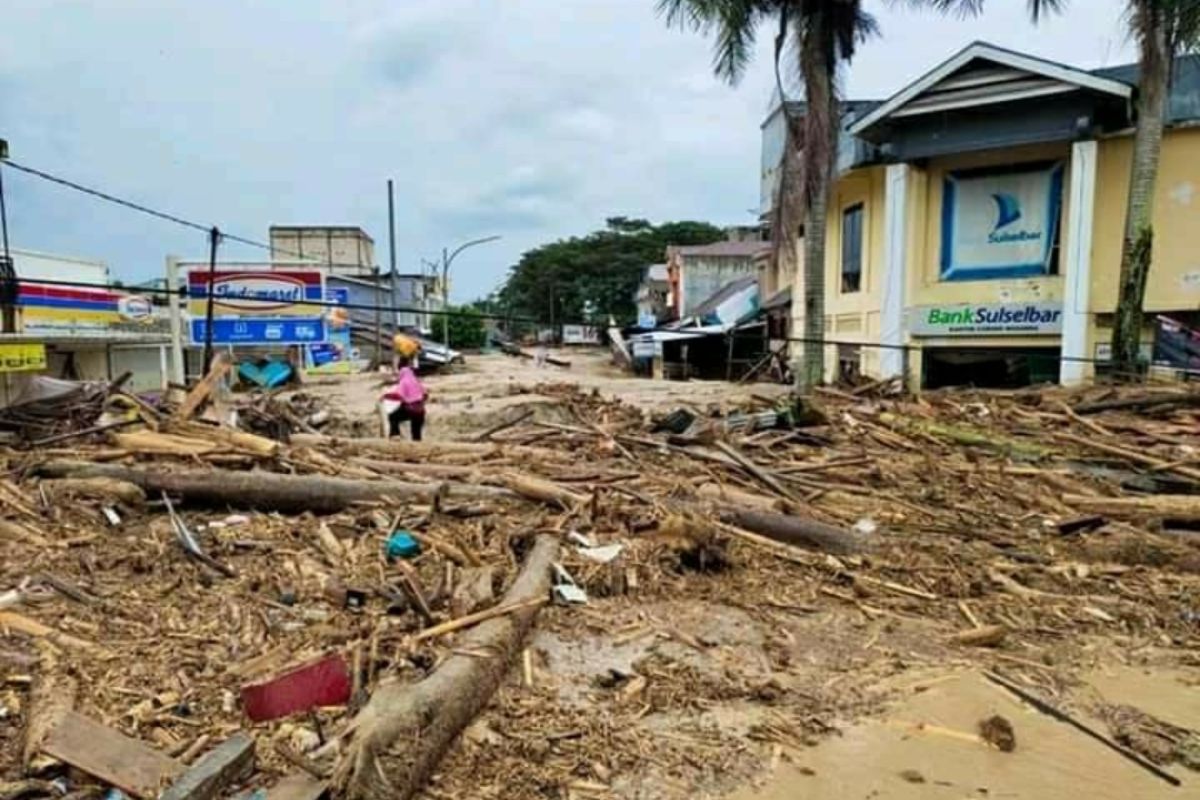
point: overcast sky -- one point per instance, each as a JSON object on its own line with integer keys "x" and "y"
{"x": 531, "y": 119}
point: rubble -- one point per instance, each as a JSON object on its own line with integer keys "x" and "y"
{"x": 1032, "y": 516}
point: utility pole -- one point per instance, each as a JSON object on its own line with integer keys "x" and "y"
{"x": 378, "y": 319}
{"x": 8, "y": 275}
{"x": 392, "y": 253}
{"x": 214, "y": 237}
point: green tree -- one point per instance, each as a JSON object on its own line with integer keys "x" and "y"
{"x": 599, "y": 273}
{"x": 466, "y": 328}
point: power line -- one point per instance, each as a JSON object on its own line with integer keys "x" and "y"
{"x": 144, "y": 209}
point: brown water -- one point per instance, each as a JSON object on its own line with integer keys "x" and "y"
{"x": 928, "y": 748}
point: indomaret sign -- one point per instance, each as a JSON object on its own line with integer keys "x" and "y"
{"x": 968, "y": 319}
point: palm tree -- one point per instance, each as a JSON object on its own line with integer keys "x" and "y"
{"x": 1163, "y": 29}
{"x": 823, "y": 34}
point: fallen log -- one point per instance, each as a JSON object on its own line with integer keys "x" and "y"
{"x": 394, "y": 744}
{"x": 268, "y": 491}
{"x": 1170, "y": 506}
{"x": 728, "y": 494}
{"x": 1162, "y": 400}
{"x": 418, "y": 451}
{"x": 797, "y": 531}
{"x": 542, "y": 490}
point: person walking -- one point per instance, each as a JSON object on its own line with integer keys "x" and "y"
{"x": 410, "y": 393}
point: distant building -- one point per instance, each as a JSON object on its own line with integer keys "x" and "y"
{"x": 345, "y": 250}
{"x": 653, "y": 296}
{"x": 697, "y": 272}
{"x": 89, "y": 330}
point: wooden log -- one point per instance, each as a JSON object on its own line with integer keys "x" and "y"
{"x": 797, "y": 531}
{"x": 298, "y": 786}
{"x": 416, "y": 468}
{"x": 104, "y": 489}
{"x": 267, "y": 491}
{"x": 986, "y": 636}
{"x": 418, "y": 451}
{"x": 1136, "y": 456}
{"x": 769, "y": 480}
{"x": 50, "y": 698}
{"x": 11, "y": 620}
{"x": 394, "y": 744}
{"x": 721, "y": 493}
{"x": 1170, "y": 506}
{"x": 171, "y": 444}
{"x": 543, "y": 491}
{"x": 228, "y": 762}
{"x": 235, "y": 439}
{"x": 1163, "y": 400}
{"x": 201, "y": 391}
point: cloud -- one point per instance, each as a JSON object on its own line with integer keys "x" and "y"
{"x": 532, "y": 119}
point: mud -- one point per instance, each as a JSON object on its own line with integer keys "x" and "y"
{"x": 928, "y": 746}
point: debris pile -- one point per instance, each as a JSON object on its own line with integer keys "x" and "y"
{"x": 335, "y": 611}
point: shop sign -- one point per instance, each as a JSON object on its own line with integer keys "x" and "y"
{"x": 22, "y": 357}
{"x": 1000, "y": 224}
{"x": 991, "y": 319}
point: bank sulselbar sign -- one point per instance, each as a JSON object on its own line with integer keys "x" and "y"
{"x": 989, "y": 319}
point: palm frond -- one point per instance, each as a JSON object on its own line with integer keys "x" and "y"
{"x": 959, "y": 8}
{"x": 1040, "y": 8}
{"x": 691, "y": 14}
{"x": 734, "y": 22}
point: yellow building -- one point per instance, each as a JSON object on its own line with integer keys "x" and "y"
{"x": 974, "y": 235}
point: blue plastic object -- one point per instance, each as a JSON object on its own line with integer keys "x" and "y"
{"x": 401, "y": 544}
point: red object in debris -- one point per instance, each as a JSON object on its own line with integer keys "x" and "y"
{"x": 325, "y": 682}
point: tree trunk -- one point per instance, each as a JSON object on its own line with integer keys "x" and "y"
{"x": 821, "y": 126}
{"x": 266, "y": 491}
{"x": 1136, "y": 249}
{"x": 797, "y": 531}
{"x": 397, "y": 740}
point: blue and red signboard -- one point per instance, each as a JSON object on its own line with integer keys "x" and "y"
{"x": 257, "y": 305}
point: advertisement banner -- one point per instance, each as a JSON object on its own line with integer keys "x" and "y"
{"x": 335, "y": 355}
{"x": 257, "y": 305}
{"x": 989, "y": 319}
{"x": 580, "y": 334}
{"x": 999, "y": 224}
{"x": 23, "y": 357}
{"x": 259, "y": 292}
{"x": 55, "y": 310}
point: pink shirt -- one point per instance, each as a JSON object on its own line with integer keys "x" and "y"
{"x": 408, "y": 388}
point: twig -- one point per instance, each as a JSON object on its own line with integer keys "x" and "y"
{"x": 1062, "y": 716}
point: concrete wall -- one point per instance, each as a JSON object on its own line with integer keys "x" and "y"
{"x": 1174, "y": 283}
{"x": 703, "y": 276}
{"x": 348, "y": 250}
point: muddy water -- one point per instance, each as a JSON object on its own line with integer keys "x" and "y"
{"x": 928, "y": 748}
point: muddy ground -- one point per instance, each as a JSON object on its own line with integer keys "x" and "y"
{"x": 792, "y": 700}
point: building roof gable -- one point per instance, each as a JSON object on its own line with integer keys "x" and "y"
{"x": 983, "y": 74}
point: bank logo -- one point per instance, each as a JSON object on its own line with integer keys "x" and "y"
{"x": 1008, "y": 210}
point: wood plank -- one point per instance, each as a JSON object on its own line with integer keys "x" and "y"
{"x": 126, "y": 763}
{"x": 298, "y": 786}
{"x": 227, "y": 763}
{"x": 200, "y": 392}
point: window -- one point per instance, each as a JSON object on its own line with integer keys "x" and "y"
{"x": 852, "y": 248}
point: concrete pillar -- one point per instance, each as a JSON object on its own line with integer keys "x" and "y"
{"x": 175, "y": 316}
{"x": 892, "y": 321}
{"x": 1077, "y": 264}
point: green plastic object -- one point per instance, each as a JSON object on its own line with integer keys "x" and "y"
{"x": 401, "y": 544}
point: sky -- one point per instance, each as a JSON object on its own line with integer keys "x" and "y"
{"x": 528, "y": 119}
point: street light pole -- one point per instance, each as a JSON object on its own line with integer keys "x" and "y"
{"x": 447, "y": 260}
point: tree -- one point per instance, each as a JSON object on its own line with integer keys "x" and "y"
{"x": 823, "y": 33}
{"x": 1163, "y": 30}
{"x": 466, "y": 328}
{"x": 563, "y": 280}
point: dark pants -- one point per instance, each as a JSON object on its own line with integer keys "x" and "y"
{"x": 416, "y": 422}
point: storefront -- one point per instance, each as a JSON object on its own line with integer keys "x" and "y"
{"x": 974, "y": 231}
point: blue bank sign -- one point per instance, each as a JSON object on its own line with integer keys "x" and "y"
{"x": 1000, "y": 224}
{"x": 968, "y": 319}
